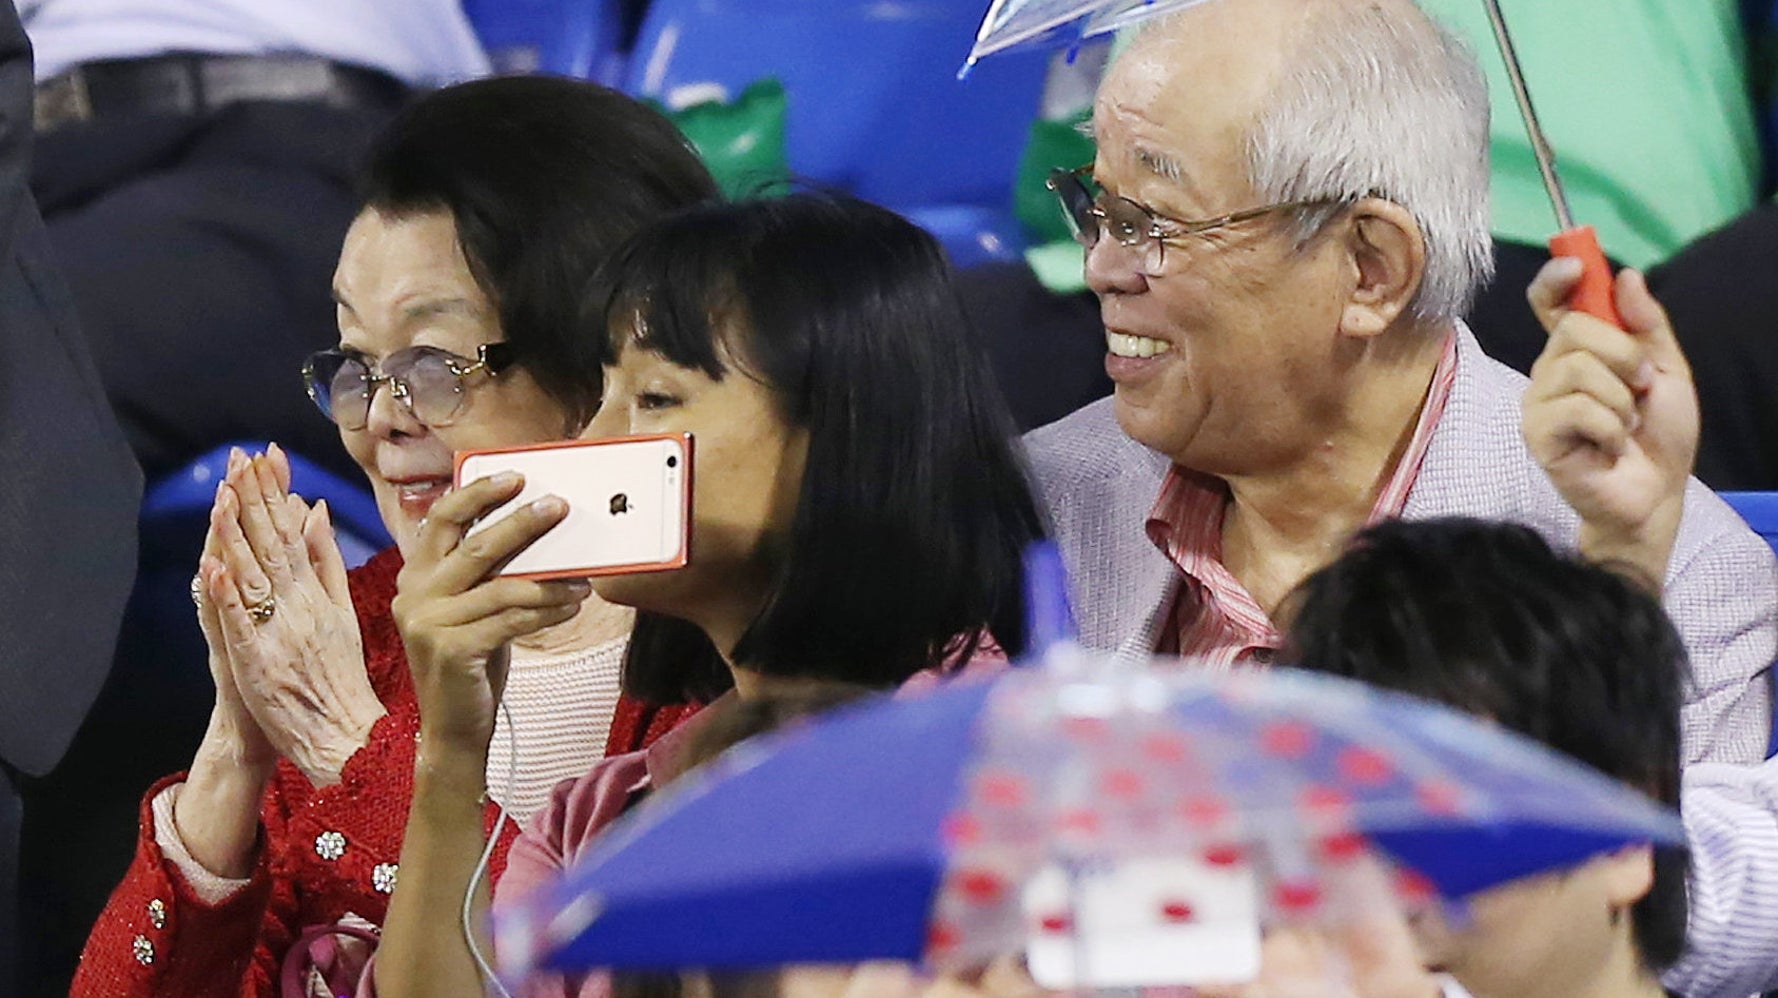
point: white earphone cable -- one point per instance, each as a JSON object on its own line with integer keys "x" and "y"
{"x": 481, "y": 867}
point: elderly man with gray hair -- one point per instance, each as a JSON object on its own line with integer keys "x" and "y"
{"x": 1286, "y": 217}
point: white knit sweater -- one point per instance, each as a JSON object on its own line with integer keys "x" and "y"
{"x": 561, "y": 708}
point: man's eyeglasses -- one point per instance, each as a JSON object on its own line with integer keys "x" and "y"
{"x": 1092, "y": 211}
{"x": 429, "y": 381}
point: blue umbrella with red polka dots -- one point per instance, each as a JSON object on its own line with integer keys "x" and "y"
{"x": 959, "y": 826}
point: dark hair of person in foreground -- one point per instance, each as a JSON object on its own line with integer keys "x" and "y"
{"x": 1487, "y": 618}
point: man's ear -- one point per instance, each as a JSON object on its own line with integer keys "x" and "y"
{"x": 1388, "y": 260}
{"x": 1629, "y": 874}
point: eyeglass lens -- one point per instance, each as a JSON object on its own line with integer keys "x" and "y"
{"x": 1077, "y": 206}
{"x": 1090, "y": 213}
{"x": 343, "y": 386}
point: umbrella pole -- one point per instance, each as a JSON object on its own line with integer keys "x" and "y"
{"x": 1076, "y": 870}
{"x": 1593, "y": 295}
{"x": 1075, "y": 939}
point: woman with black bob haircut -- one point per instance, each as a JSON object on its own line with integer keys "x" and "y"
{"x": 859, "y": 515}
{"x": 913, "y": 508}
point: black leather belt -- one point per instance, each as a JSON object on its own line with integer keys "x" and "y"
{"x": 196, "y": 84}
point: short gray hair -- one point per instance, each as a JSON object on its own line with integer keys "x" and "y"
{"x": 1380, "y": 103}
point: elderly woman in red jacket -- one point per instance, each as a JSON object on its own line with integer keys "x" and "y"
{"x": 487, "y": 206}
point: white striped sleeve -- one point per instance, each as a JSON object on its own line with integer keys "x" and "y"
{"x": 1731, "y": 818}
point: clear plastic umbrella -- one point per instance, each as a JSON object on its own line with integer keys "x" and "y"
{"x": 1016, "y": 24}
{"x": 1091, "y": 812}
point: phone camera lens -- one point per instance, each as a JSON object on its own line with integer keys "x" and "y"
{"x": 672, "y": 461}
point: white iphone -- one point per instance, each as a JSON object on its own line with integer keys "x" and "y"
{"x": 629, "y": 503}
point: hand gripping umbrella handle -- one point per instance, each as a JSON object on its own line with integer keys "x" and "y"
{"x": 1593, "y": 295}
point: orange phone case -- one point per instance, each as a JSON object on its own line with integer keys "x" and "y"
{"x": 680, "y": 561}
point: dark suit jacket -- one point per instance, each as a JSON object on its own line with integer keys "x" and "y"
{"x": 69, "y": 488}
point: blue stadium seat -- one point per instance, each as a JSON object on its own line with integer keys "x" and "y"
{"x": 1760, "y": 510}
{"x": 972, "y": 234}
{"x": 578, "y": 38}
{"x": 182, "y": 498}
{"x": 875, "y": 106}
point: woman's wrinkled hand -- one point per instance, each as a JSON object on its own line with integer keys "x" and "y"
{"x": 234, "y": 734}
{"x": 457, "y": 616}
{"x": 285, "y": 616}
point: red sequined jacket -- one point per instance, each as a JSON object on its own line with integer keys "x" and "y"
{"x": 324, "y": 852}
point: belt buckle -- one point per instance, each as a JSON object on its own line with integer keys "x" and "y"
{"x": 61, "y": 101}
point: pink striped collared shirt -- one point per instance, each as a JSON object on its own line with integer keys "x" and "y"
{"x": 1214, "y": 616}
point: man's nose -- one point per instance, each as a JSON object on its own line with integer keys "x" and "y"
{"x": 1113, "y": 268}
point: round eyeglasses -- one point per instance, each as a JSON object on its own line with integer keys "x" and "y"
{"x": 1091, "y": 211}
{"x": 427, "y": 380}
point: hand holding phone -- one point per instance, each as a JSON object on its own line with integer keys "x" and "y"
{"x": 629, "y": 503}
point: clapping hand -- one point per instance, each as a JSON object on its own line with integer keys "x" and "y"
{"x": 280, "y": 615}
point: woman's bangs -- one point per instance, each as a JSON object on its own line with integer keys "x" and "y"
{"x": 662, "y": 300}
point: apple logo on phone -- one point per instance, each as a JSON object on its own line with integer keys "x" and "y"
{"x": 620, "y": 504}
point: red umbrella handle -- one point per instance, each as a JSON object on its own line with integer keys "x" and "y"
{"x": 1593, "y": 295}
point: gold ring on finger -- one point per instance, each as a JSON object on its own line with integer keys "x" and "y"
{"x": 262, "y": 611}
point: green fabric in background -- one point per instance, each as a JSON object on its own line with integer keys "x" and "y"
{"x": 1647, "y": 104}
{"x": 1051, "y": 144}
{"x": 740, "y": 141}
{"x": 1054, "y": 256}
